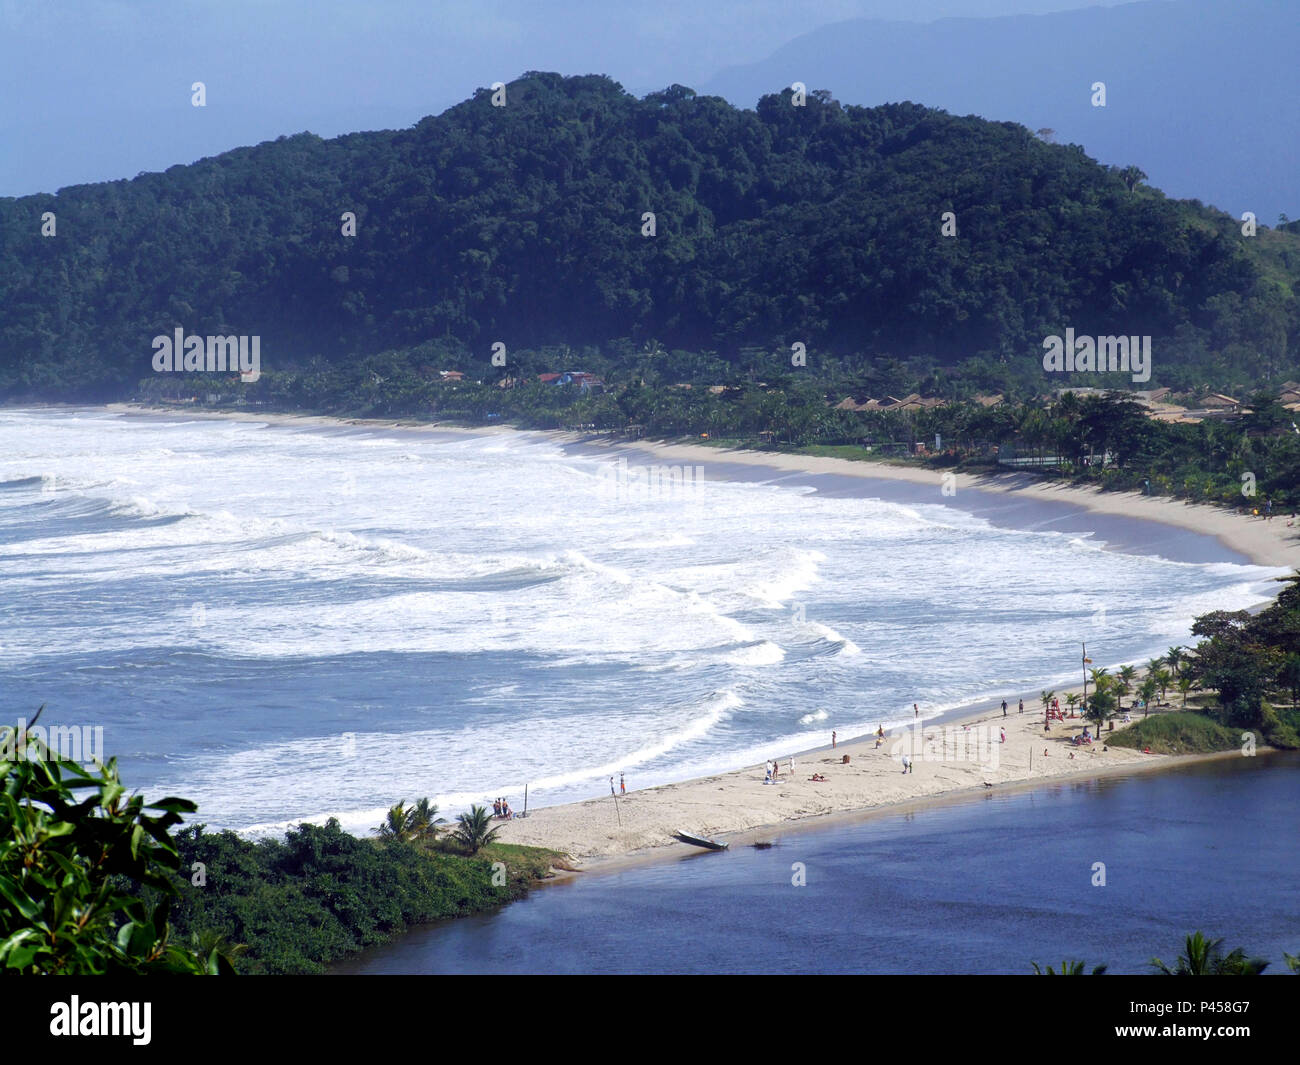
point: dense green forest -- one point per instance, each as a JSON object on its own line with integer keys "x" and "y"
{"x": 320, "y": 894}
{"x": 1242, "y": 676}
{"x": 524, "y": 224}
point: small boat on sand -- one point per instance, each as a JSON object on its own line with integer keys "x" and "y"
{"x": 701, "y": 841}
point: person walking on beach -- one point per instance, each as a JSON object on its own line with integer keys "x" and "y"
{"x": 611, "y": 786}
{"x": 1004, "y": 708}
{"x": 916, "y": 712}
{"x": 1022, "y": 706}
{"x": 1004, "y": 736}
{"x": 622, "y": 785}
{"x": 832, "y": 739}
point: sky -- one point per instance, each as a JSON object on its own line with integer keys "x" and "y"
{"x": 95, "y": 90}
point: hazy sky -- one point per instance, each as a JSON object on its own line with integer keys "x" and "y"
{"x": 97, "y": 89}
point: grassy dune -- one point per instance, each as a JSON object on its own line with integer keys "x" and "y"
{"x": 1178, "y": 732}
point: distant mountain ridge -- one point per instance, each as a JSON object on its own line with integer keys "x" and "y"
{"x": 1203, "y": 95}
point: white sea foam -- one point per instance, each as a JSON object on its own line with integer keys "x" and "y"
{"x": 476, "y": 590}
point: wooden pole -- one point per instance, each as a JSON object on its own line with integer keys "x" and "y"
{"x": 1084, "y": 665}
{"x": 525, "y": 800}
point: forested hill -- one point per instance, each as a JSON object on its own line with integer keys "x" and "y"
{"x": 523, "y": 224}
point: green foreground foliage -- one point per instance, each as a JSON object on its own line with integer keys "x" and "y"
{"x": 1200, "y": 957}
{"x": 94, "y": 881}
{"x": 75, "y": 850}
{"x": 1205, "y": 957}
{"x": 321, "y": 894}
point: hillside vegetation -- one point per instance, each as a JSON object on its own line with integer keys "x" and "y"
{"x": 523, "y": 224}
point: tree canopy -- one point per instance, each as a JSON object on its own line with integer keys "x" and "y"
{"x": 523, "y": 224}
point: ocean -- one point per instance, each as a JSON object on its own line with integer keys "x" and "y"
{"x": 294, "y": 622}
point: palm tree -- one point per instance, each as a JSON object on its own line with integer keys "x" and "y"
{"x": 1102, "y": 703}
{"x": 1069, "y": 968}
{"x": 397, "y": 823}
{"x": 1203, "y": 957}
{"x": 1101, "y": 706}
{"x": 1047, "y": 698}
{"x": 1126, "y": 675}
{"x": 474, "y": 829}
{"x": 1072, "y": 700}
{"x": 1132, "y": 177}
{"x": 423, "y": 820}
{"x": 1164, "y": 678}
{"x": 1184, "y": 686}
{"x": 405, "y": 824}
{"x": 1147, "y": 689}
{"x": 1175, "y": 656}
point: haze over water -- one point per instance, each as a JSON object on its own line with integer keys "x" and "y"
{"x": 287, "y": 623}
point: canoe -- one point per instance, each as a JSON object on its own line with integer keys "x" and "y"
{"x": 701, "y": 841}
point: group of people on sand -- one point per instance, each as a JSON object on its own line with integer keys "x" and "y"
{"x": 772, "y": 770}
{"x": 1267, "y": 513}
{"x": 501, "y": 810}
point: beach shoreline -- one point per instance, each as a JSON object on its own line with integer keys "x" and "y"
{"x": 613, "y": 833}
{"x": 784, "y": 831}
{"x": 605, "y": 833}
{"x": 1263, "y": 542}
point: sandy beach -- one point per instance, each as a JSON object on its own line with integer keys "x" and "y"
{"x": 963, "y": 752}
{"x": 873, "y": 779}
{"x": 949, "y": 759}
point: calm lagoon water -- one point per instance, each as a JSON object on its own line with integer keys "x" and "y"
{"x": 986, "y": 885}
